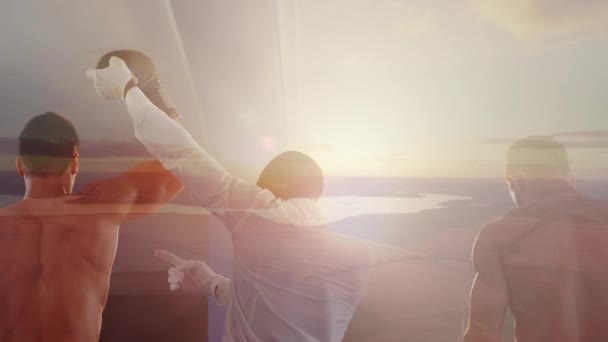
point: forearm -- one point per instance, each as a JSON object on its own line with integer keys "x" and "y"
{"x": 165, "y": 138}
{"x": 154, "y": 183}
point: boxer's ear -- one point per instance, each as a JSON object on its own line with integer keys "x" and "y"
{"x": 74, "y": 164}
{"x": 19, "y": 166}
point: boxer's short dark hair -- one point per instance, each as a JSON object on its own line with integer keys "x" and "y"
{"x": 538, "y": 156}
{"x": 292, "y": 174}
{"x": 47, "y": 145}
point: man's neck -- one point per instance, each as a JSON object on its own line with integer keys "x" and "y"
{"x": 39, "y": 187}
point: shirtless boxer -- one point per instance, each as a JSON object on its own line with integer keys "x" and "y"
{"x": 546, "y": 260}
{"x": 57, "y": 249}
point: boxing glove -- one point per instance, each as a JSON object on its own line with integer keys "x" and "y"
{"x": 144, "y": 70}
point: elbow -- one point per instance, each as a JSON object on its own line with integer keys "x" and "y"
{"x": 166, "y": 193}
{"x": 170, "y": 186}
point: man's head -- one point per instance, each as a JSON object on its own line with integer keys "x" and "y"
{"x": 537, "y": 166}
{"x": 292, "y": 174}
{"x": 48, "y": 149}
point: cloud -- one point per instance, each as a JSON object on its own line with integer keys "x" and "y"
{"x": 583, "y": 134}
{"x": 571, "y": 139}
{"x": 586, "y": 144}
{"x": 527, "y": 18}
{"x": 574, "y": 139}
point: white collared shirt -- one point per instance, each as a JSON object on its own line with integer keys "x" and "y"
{"x": 294, "y": 280}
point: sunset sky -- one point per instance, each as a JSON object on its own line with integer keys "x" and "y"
{"x": 368, "y": 87}
{"x": 441, "y": 87}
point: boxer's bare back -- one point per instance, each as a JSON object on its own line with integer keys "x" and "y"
{"x": 56, "y": 255}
